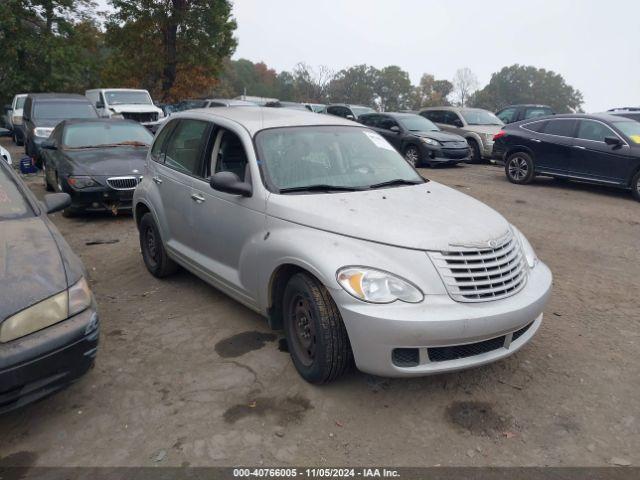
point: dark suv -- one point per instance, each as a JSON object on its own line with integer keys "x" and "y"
{"x": 43, "y": 111}
{"x": 350, "y": 112}
{"x": 515, "y": 113}
{"x": 628, "y": 112}
{"x": 418, "y": 139}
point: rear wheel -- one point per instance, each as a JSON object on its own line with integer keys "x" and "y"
{"x": 153, "y": 252}
{"x": 317, "y": 338}
{"x": 635, "y": 186}
{"x": 519, "y": 168}
{"x": 476, "y": 156}
{"x": 412, "y": 155}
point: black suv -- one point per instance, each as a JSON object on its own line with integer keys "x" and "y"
{"x": 43, "y": 111}
{"x": 350, "y": 112}
{"x": 516, "y": 113}
{"x": 418, "y": 139}
{"x": 629, "y": 112}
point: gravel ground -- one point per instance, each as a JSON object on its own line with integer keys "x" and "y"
{"x": 187, "y": 376}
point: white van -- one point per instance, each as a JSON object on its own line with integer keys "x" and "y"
{"x": 128, "y": 103}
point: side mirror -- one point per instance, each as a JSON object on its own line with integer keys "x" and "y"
{"x": 229, "y": 182}
{"x": 350, "y": 117}
{"x": 613, "y": 141}
{"x": 54, "y": 202}
{"x": 8, "y": 108}
{"x": 395, "y": 129}
{"x": 49, "y": 144}
{"x": 99, "y": 104}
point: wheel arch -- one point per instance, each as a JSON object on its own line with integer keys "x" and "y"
{"x": 139, "y": 210}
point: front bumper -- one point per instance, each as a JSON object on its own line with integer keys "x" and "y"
{"x": 438, "y": 155}
{"x": 100, "y": 199}
{"x": 44, "y": 362}
{"x": 375, "y": 331}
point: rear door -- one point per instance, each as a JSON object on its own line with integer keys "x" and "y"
{"x": 593, "y": 159}
{"x": 554, "y": 146}
{"x": 174, "y": 171}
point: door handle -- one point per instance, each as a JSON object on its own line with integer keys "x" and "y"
{"x": 537, "y": 140}
{"x": 196, "y": 197}
{"x": 579, "y": 147}
{"x": 158, "y": 180}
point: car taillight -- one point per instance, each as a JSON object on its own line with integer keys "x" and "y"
{"x": 498, "y": 135}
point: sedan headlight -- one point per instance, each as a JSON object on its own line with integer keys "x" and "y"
{"x": 376, "y": 286}
{"x": 43, "y": 132}
{"x": 529, "y": 253}
{"x": 430, "y": 141}
{"x": 80, "y": 182}
{"x": 47, "y": 312}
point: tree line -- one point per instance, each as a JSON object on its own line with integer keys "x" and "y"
{"x": 180, "y": 49}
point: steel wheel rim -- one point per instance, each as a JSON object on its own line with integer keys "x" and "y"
{"x": 518, "y": 168}
{"x": 412, "y": 156}
{"x": 303, "y": 338}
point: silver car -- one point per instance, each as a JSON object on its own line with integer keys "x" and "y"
{"x": 318, "y": 224}
{"x": 476, "y": 125}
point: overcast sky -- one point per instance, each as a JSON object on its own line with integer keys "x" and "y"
{"x": 593, "y": 44}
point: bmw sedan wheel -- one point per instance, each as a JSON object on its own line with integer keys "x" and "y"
{"x": 412, "y": 155}
{"x": 635, "y": 186}
{"x": 316, "y": 336}
{"x": 153, "y": 252}
{"x": 519, "y": 168}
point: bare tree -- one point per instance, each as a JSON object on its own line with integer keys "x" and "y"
{"x": 465, "y": 83}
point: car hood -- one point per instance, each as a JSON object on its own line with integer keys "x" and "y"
{"x": 134, "y": 108}
{"x": 440, "y": 136}
{"x": 116, "y": 161}
{"x": 489, "y": 129}
{"x": 428, "y": 216}
{"x": 30, "y": 262}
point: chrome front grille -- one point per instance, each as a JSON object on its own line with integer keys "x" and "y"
{"x": 123, "y": 183}
{"x": 481, "y": 275}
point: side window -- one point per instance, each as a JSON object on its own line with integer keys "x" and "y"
{"x": 451, "y": 118}
{"x": 387, "y": 123}
{"x": 184, "y": 148}
{"x": 535, "y": 126}
{"x": 534, "y": 112}
{"x": 434, "y": 115}
{"x": 160, "y": 140}
{"x": 595, "y": 131}
{"x": 508, "y": 115}
{"x": 339, "y": 111}
{"x": 229, "y": 154}
{"x": 561, "y": 128}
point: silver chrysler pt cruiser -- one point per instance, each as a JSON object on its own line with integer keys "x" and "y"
{"x": 318, "y": 224}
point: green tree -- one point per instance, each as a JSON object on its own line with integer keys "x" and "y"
{"x": 527, "y": 84}
{"x": 355, "y": 84}
{"x": 175, "y": 48}
{"x": 393, "y": 89}
{"x": 430, "y": 92}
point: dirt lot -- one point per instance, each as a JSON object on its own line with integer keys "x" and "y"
{"x": 187, "y": 376}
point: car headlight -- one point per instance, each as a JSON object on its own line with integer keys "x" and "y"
{"x": 376, "y": 286}
{"x": 16, "y": 119}
{"x": 160, "y": 114}
{"x": 42, "y": 132}
{"x": 47, "y": 312}
{"x": 115, "y": 114}
{"x": 529, "y": 253}
{"x": 80, "y": 182}
{"x": 431, "y": 141}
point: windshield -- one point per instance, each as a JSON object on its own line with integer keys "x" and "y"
{"x": 362, "y": 110}
{"x": 333, "y": 156}
{"x": 117, "y": 97}
{"x": 63, "y": 111}
{"x": 85, "y": 135}
{"x": 630, "y": 129}
{"x": 20, "y": 102}
{"x": 13, "y": 204}
{"x": 416, "y": 123}
{"x": 480, "y": 117}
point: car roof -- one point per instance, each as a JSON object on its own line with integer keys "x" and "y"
{"x": 540, "y": 105}
{"x": 59, "y": 96}
{"x": 398, "y": 114}
{"x": 606, "y": 117}
{"x": 76, "y": 121}
{"x": 344, "y": 105}
{"x": 453, "y": 109}
{"x": 119, "y": 89}
{"x": 232, "y": 101}
{"x": 260, "y": 118}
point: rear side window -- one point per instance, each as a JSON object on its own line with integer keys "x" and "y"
{"x": 561, "y": 128}
{"x": 160, "y": 140}
{"x": 13, "y": 203}
{"x": 594, "y": 131}
{"x": 436, "y": 116}
{"x": 387, "y": 123}
{"x": 184, "y": 148}
{"x": 339, "y": 111}
{"x": 535, "y": 126}
{"x": 533, "y": 112}
{"x": 450, "y": 118}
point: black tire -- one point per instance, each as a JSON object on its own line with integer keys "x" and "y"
{"x": 17, "y": 140}
{"x": 316, "y": 336}
{"x": 47, "y": 185}
{"x": 476, "y": 155}
{"x": 153, "y": 252}
{"x": 413, "y": 156}
{"x": 635, "y": 186}
{"x": 519, "y": 168}
{"x": 70, "y": 212}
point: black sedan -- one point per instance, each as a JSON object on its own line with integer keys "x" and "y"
{"x": 98, "y": 162}
{"x": 48, "y": 319}
{"x": 418, "y": 139}
{"x": 598, "y": 148}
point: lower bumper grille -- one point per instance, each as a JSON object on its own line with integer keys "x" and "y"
{"x": 405, "y": 357}
{"x": 141, "y": 117}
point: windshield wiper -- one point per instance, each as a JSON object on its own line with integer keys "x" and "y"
{"x": 394, "y": 182}
{"x": 321, "y": 188}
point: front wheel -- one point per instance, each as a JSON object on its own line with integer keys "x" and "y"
{"x": 635, "y": 186}
{"x": 317, "y": 338}
{"x": 476, "y": 156}
{"x": 153, "y": 252}
{"x": 519, "y": 168}
{"x": 47, "y": 185}
{"x": 412, "y": 155}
